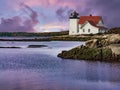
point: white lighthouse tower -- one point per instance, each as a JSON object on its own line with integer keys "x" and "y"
{"x": 74, "y": 27}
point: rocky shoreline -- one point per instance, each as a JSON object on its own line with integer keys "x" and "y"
{"x": 105, "y": 49}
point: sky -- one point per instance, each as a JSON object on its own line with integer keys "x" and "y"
{"x": 53, "y": 15}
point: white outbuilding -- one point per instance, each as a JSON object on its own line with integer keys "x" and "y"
{"x": 86, "y": 24}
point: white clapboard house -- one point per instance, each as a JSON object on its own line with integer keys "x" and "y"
{"x": 86, "y": 24}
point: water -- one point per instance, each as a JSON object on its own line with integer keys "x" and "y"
{"x": 41, "y": 69}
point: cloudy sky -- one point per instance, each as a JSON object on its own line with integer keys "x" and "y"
{"x": 52, "y": 15}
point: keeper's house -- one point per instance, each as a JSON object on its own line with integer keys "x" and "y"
{"x": 86, "y": 24}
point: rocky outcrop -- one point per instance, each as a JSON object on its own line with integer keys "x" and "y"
{"x": 36, "y": 46}
{"x": 86, "y": 53}
{"x": 9, "y": 47}
{"x": 104, "y": 41}
{"x": 114, "y": 38}
{"x": 92, "y": 43}
{"x": 115, "y": 48}
{"x": 106, "y": 48}
{"x": 111, "y": 39}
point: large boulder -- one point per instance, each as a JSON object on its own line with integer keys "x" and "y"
{"x": 114, "y": 38}
{"x": 92, "y": 43}
{"x": 106, "y": 48}
{"x": 115, "y": 48}
{"x": 86, "y": 53}
{"x": 104, "y": 41}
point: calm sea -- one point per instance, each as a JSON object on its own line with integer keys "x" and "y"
{"x": 41, "y": 69}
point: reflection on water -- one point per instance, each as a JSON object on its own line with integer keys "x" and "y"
{"x": 40, "y": 69}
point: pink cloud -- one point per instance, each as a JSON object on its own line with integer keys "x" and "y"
{"x": 49, "y": 3}
{"x": 17, "y": 24}
{"x": 50, "y": 11}
{"x": 51, "y": 27}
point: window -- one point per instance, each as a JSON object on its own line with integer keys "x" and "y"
{"x": 99, "y": 31}
{"x": 83, "y": 30}
{"x": 88, "y": 30}
{"x": 78, "y": 30}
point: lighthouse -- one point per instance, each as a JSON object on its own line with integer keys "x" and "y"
{"x": 74, "y": 27}
{"x": 85, "y": 24}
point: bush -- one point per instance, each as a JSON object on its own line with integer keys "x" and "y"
{"x": 114, "y": 30}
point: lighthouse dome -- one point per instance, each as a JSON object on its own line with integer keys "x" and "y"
{"x": 74, "y": 15}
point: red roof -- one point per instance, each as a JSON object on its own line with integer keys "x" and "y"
{"x": 92, "y": 23}
{"x": 101, "y": 27}
{"x": 93, "y": 19}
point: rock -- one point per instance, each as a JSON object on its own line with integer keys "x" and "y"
{"x": 115, "y": 48}
{"x": 106, "y": 48}
{"x": 62, "y": 54}
{"x": 114, "y": 39}
{"x": 36, "y": 46}
{"x": 10, "y": 47}
{"x": 104, "y": 41}
{"x": 86, "y": 53}
{"x": 92, "y": 43}
{"x": 81, "y": 46}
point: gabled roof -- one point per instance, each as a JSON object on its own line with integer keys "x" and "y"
{"x": 93, "y": 19}
{"x": 93, "y": 24}
{"x": 101, "y": 27}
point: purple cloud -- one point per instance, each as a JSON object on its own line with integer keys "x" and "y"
{"x": 63, "y": 13}
{"x": 53, "y": 11}
{"x": 17, "y": 24}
